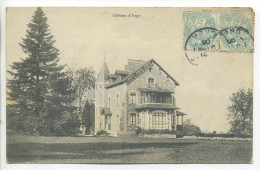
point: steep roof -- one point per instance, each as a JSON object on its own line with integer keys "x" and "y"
{"x": 134, "y": 72}
{"x": 103, "y": 73}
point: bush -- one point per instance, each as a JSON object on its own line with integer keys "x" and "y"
{"x": 69, "y": 126}
{"x": 102, "y": 133}
{"x": 224, "y": 135}
{"x": 153, "y": 131}
{"x": 189, "y": 129}
{"x": 138, "y": 131}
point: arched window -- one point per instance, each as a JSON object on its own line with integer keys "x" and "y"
{"x": 108, "y": 122}
{"x": 117, "y": 99}
{"x": 132, "y": 98}
{"x": 132, "y": 119}
{"x": 150, "y": 80}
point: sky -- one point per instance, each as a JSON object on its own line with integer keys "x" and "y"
{"x": 85, "y": 36}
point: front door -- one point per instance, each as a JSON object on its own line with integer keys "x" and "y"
{"x": 108, "y": 122}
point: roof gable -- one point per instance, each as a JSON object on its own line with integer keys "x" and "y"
{"x": 141, "y": 69}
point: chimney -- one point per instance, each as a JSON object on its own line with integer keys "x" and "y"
{"x": 132, "y": 64}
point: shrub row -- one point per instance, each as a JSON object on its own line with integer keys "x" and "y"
{"x": 224, "y": 135}
{"x": 139, "y": 131}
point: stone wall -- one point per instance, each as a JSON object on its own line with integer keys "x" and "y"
{"x": 118, "y": 100}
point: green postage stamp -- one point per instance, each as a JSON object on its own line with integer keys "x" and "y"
{"x": 227, "y": 31}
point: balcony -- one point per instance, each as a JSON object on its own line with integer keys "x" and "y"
{"x": 155, "y": 106}
{"x": 152, "y": 86}
{"x": 149, "y": 95}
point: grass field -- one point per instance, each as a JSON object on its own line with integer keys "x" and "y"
{"x": 28, "y": 149}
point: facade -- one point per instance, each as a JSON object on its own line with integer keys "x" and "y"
{"x": 142, "y": 96}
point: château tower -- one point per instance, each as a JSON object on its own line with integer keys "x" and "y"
{"x": 100, "y": 95}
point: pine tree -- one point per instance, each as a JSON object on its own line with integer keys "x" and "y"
{"x": 40, "y": 90}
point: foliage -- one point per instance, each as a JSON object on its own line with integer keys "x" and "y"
{"x": 88, "y": 117}
{"x": 39, "y": 92}
{"x": 68, "y": 126}
{"x": 190, "y": 129}
{"x": 224, "y": 135}
{"x": 102, "y": 133}
{"x": 84, "y": 80}
{"x": 139, "y": 131}
{"x": 240, "y": 114}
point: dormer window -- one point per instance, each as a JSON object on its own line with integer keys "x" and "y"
{"x": 150, "y": 80}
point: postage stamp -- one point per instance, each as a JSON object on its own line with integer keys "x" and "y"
{"x": 221, "y": 31}
{"x": 217, "y": 31}
{"x": 236, "y": 32}
{"x": 200, "y": 29}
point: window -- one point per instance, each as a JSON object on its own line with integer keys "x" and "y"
{"x": 150, "y": 69}
{"x": 132, "y": 119}
{"x": 159, "y": 120}
{"x": 152, "y": 98}
{"x": 142, "y": 98}
{"x": 164, "y": 99}
{"x": 117, "y": 99}
{"x": 108, "y": 122}
{"x": 109, "y": 102}
{"x": 132, "y": 98}
{"x": 137, "y": 119}
{"x": 150, "y": 80}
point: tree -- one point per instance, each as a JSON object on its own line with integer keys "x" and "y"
{"x": 88, "y": 117}
{"x": 240, "y": 114}
{"x": 84, "y": 81}
{"x": 40, "y": 91}
{"x": 190, "y": 129}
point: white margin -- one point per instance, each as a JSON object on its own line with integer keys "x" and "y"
{"x": 134, "y": 3}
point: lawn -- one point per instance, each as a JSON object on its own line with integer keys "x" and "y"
{"x": 29, "y": 149}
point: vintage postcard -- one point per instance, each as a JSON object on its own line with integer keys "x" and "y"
{"x": 129, "y": 85}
